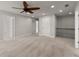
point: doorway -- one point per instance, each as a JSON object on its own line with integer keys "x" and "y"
{"x": 66, "y": 29}
{"x": 37, "y": 27}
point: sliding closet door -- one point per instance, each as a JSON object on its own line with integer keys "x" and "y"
{"x": 8, "y": 27}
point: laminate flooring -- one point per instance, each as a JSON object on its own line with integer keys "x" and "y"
{"x": 38, "y": 46}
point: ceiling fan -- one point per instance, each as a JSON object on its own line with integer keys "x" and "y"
{"x": 26, "y": 8}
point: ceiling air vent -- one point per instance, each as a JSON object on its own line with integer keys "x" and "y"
{"x": 66, "y": 5}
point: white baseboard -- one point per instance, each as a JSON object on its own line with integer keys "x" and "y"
{"x": 47, "y": 35}
{"x": 76, "y": 46}
{"x": 23, "y": 35}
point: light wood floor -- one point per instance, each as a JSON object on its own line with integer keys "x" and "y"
{"x": 35, "y": 46}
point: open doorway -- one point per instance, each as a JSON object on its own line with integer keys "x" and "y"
{"x": 66, "y": 28}
{"x": 37, "y": 27}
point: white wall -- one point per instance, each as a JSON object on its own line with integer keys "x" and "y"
{"x": 23, "y": 26}
{"x": 33, "y": 26}
{"x": 1, "y": 28}
{"x": 6, "y": 27}
{"x": 53, "y": 26}
{"x": 66, "y": 21}
{"x": 47, "y": 25}
{"x": 44, "y": 25}
{"x": 13, "y": 25}
{"x": 77, "y": 26}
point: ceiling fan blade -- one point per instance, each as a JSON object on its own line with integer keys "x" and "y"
{"x": 34, "y": 8}
{"x": 21, "y": 11}
{"x": 17, "y": 8}
{"x": 25, "y": 4}
{"x": 30, "y": 11}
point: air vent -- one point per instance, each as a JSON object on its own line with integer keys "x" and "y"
{"x": 66, "y": 5}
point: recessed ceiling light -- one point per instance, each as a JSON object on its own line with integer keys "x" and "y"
{"x": 52, "y": 6}
{"x": 70, "y": 13}
{"x": 27, "y": 13}
{"x": 43, "y": 14}
{"x": 32, "y": 16}
{"x": 60, "y": 10}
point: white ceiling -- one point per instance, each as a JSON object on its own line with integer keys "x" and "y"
{"x": 45, "y": 7}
